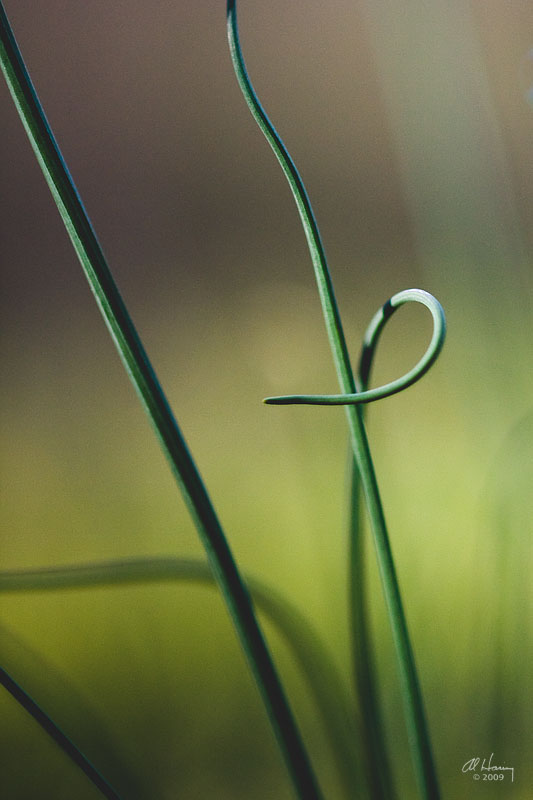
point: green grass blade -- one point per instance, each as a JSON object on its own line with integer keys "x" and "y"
{"x": 364, "y": 663}
{"x": 414, "y": 710}
{"x": 372, "y": 334}
{"x": 43, "y": 679}
{"x": 316, "y": 249}
{"x": 49, "y": 726}
{"x": 314, "y": 660}
{"x": 145, "y": 381}
{"x": 378, "y": 768}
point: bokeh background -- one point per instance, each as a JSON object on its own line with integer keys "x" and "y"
{"x": 412, "y": 126}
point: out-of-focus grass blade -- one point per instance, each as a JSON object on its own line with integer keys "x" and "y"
{"x": 314, "y": 660}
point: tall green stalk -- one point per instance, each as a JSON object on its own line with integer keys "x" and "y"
{"x": 414, "y": 710}
{"x": 377, "y": 758}
{"x": 155, "y": 403}
{"x": 378, "y": 766}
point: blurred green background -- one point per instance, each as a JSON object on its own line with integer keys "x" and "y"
{"x": 412, "y": 126}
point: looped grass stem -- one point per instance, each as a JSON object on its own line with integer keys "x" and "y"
{"x": 417, "y": 728}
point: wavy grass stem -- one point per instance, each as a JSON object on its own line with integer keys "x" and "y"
{"x": 155, "y": 403}
{"x": 414, "y": 709}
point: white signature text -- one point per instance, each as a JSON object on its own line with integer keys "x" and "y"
{"x": 487, "y": 768}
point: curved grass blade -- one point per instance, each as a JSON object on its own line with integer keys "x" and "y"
{"x": 414, "y": 709}
{"x": 374, "y": 742}
{"x": 373, "y": 332}
{"x": 361, "y": 641}
{"x": 380, "y": 775}
{"x": 49, "y": 726}
{"x": 156, "y": 405}
{"x": 314, "y": 660}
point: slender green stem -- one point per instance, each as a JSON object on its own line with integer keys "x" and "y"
{"x": 364, "y": 664}
{"x": 373, "y": 332}
{"x": 378, "y": 768}
{"x": 43, "y": 679}
{"x": 326, "y": 684}
{"x": 49, "y": 726}
{"x": 151, "y": 394}
{"x": 377, "y": 761}
{"x": 415, "y": 716}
